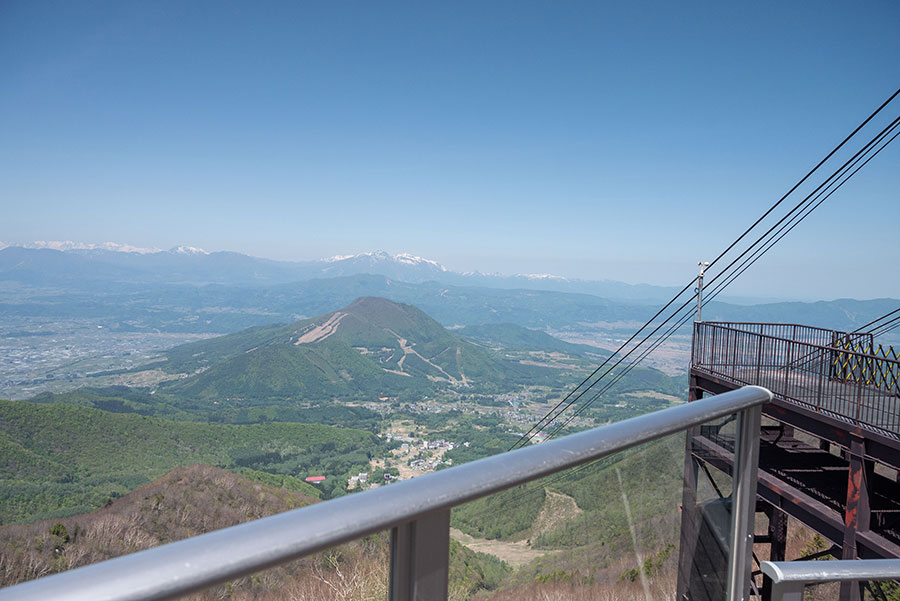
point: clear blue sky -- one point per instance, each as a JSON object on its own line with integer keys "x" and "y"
{"x": 588, "y": 139}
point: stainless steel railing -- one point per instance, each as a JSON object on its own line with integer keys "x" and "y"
{"x": 417, "y": 511}
{"x": 789, "y": 577}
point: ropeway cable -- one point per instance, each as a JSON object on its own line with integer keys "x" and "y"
{"x": 817, "y": 200}
{"x": 817, "y": 195}
{"x": 889, "y": 326}
{"x": 541, "y": 424}
{"x": 876, "y": 320}
{"x": 719, "y": 288}
{"x": 537, "y": 427}
{"x": 810, "y": 208}
{"x": 714, "y": 292}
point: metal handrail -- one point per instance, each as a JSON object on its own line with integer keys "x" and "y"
{"x": 819, "y": 347}
{"x": 415, "y": 509}
{"x": 847, "y": 385}
{"x": 770, "y": 324}
{"x": 789, "y": 577}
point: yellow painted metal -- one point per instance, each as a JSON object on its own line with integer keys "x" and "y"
{"x": 867, "y": 364}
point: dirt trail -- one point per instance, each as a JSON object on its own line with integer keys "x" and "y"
{"x": 409, "y": 350}
{"x": 465, "y": 381}
{"x": 516, "y": 553}
{"x": 557, "y": 509}
{"x": 323, "y": 331}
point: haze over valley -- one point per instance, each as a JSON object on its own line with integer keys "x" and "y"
{"x": 89, "y": 316}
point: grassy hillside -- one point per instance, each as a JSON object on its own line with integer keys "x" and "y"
{"x": 650, "y": 477}
{"x": 588, "y": 519}
{"x": 184, "y": 502}
{"x": 62, "y": 459}
{"x": 189, "y": 501}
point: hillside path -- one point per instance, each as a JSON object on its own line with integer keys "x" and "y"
{"x": 515, "y": 553}
{"x": 557, "y": 509}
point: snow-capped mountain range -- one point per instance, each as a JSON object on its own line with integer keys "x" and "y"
{"x": 46, "y": 261}
{"x": 64, "y": 245}
{"x": 380, "y": 256}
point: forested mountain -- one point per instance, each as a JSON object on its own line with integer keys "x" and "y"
{"x": 61, "y": 459}
{"x": 371, "y": 347}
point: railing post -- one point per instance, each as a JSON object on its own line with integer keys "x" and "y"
{"x": 420, "y": 558}
{"x": 787, "y": 591}
{"x": 759, "y": 360}
{"x": 789, "y": 367}
{"x": 689, "y": 513}
{"x": 743, "y": 509}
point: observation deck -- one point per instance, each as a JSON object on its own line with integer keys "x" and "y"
{"x": 830, "y": 448}
{"x": 838, "y": 378}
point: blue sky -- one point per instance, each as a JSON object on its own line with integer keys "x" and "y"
{"x": 587, "y": 139}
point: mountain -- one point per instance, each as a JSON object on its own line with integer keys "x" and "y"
{"x": 216, "y": 308}
{"x": 186, "y": 290}
{"x": 404, "y": 266}
{"x": 193, "y": 500}
{"x": 47, "y": 267}
{"x": 184, "y": 502}
{"x": 371, "y": 348}
{"x": 120, "y": 264}
{"x": 844, "y": 314}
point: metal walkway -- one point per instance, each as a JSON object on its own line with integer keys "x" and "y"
{"x": 809, "y": 367}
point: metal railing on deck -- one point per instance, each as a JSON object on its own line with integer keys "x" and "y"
{"x": 790, "y": 577}
{"x": 418, "y": 513}
{"x": 824, "y": 370}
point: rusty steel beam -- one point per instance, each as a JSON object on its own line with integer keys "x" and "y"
{"x": 815, "y": 514}
{"x": 857, "y": 516}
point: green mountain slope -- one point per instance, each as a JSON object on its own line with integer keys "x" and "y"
{"x": 635, "y": 493}
{"x": 61, "y": 459}
{"x": 371, "y": 348}
{"x": 193, "y": 500}
{"x": 184, "y": 502}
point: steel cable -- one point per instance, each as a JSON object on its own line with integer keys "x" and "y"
{"x": 565, "y": 403}
{"x": 821, "y": 194}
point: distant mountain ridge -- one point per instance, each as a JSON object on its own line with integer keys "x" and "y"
{"x": 190, "y": 265}
{"x": 185, "y": 290}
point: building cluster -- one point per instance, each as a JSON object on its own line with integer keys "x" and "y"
{"x": 411, "y": 444}
{"x": 423, "y": 464}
